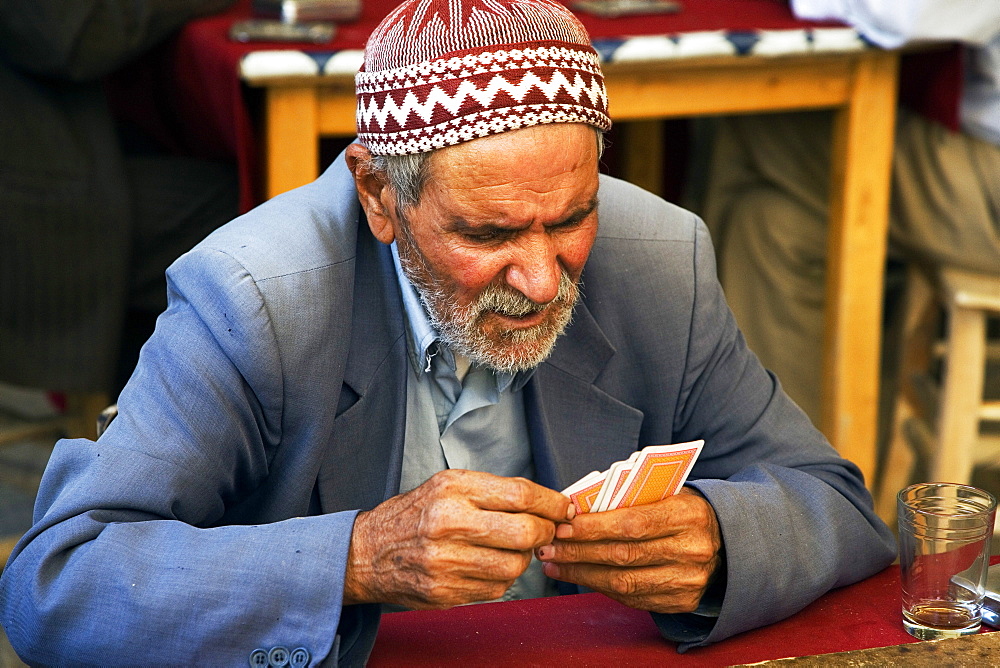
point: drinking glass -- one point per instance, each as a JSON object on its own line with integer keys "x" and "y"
{"x": 944, "y": 550}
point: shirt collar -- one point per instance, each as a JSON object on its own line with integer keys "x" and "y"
{"x": 422, "y": 343}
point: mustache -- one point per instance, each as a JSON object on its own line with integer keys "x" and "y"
{"x": 509, "y": 302}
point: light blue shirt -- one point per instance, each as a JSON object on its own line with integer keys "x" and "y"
{"x": 462, "y": 417}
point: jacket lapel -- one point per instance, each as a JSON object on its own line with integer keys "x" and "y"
{"x": 362, "y": 463}
{"x": 575, "y": 427}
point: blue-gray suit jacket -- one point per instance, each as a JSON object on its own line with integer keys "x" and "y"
{"x": 214, "y": 515}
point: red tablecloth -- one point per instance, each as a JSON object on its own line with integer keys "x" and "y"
{"x": 593, "y": 630}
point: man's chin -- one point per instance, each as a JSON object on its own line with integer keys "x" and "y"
{"x": 511, "y": 361}
{"x": 509, "y": 343}
{"x": 513, "y": 350}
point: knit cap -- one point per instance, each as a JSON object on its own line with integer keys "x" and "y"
{"x": 442, "y": 72}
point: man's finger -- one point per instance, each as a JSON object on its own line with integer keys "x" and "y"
{"x": 692, "y": 547}
{"x": 486, "y": 577}
{"x": 616, "y": 553}
{"x": 483, "y": 564}
{"x": 515, "y": 495}
{"x": 655, "y": 520}
{"x": 657, "y": 588}
{"x": 508, "y": 531}
{"x": 486, "y": 510}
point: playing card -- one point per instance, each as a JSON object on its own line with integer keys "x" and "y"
{"x": 613, "y": 482}
{"x": 583, "y": 493}
{"x": 658, "y": 472}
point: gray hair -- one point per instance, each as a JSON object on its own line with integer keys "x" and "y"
{"x": 407, "y": 174}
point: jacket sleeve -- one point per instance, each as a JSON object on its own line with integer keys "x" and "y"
{"x": 83, "y": 40}
{"x": 796, "y": 519}
{"x": 133, "y": 559}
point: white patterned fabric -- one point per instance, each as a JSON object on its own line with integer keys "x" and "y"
{"x": 438, "y": 73}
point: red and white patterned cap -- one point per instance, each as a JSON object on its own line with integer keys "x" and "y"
{"x": 443, "y": 72}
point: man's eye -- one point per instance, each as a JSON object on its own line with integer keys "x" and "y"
{"x": 487, "y": 236}
{"x": 568, "y": 225}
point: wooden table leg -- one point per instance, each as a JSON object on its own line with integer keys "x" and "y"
{"x": 82, "y": 410}
{"x": 291, "y": 137}
{"x": 642, "y": 157}
{"x": 859, "y": 207}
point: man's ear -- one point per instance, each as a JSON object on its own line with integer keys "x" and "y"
{"x": 373, "y": 193}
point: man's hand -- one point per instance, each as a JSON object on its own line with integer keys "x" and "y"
{"x": 460, "y": 537}
{"x": 658, "y": 557}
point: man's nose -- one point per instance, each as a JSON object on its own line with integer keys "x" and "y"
{"x": 535, "y": 271}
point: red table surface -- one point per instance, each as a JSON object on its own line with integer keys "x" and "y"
{"x": 593, "y": 630}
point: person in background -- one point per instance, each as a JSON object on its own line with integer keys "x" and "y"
{"x": 766, "y": 198}
{"x": 366, "y": 392}
{"x": 91, "y": 211}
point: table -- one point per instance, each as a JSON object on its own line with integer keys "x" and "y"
{"x": 592, "y": 630}
{"x": 681, "y": 65}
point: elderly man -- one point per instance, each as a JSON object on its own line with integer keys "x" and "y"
{"x": 366, "y": 392}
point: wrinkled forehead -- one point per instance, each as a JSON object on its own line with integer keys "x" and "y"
{"x": 543, "y": 169}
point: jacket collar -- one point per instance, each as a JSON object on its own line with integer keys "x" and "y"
{"x": 364, "y": 456}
